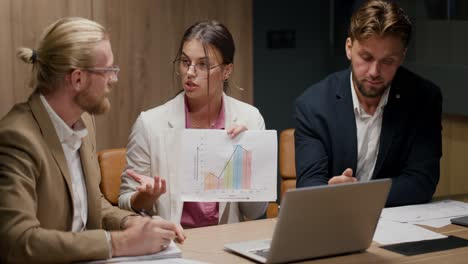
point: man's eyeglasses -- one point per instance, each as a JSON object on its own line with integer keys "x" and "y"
{"x": 201, "y": 69}
{"x": 114, "y": 70}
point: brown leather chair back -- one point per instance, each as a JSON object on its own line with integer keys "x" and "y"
{"x": 112, "y": 163}
{"x": 287, "y": 167}
{"x": 287, "y": 162}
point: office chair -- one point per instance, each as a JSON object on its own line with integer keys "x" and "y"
{"x": 287, "y": 167}
{"x": 111, "y": 162}
{"x": 287, "y": 161}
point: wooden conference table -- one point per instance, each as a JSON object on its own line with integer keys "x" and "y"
{"x": 206, "y": 244}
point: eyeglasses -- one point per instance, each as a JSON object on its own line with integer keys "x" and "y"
{"x": 182, "y": 67}
{"x": 114, "y": 70}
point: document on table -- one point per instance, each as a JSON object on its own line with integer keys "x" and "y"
{"x": 215, "y": 168}
{"x": 435, "y": 214}
{"x": 391, "y": 232}
{"x": 166, "y": 261}
{"x": 172, "y": 251}
{"x": 436, "y": 223}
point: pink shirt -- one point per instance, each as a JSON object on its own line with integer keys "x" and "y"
{"x": 198, "y": 214}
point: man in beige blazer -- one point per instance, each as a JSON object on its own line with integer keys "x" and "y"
{"x": 51, "y": 208}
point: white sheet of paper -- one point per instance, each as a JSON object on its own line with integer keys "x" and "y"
{"x": 436, "y": 223}
{"x": 391, "y": 232}
{"x": 170, "y": 252}
{"x": 216, "y": 168}
{"x": 424, "y": 212}
{"x": 166, "y": 261}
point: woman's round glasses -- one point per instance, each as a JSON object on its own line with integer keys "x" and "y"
{"x": 201, "y": 69}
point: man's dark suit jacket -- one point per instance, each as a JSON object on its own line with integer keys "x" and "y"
{"x": 410, "y": 140}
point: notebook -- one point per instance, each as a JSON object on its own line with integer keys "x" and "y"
{"x": 321, "y": 221}
{"x": 463, "y": 221}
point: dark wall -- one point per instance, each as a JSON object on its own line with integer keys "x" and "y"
{"x": 438, "y": 50}
{"x": 280, "y": 75}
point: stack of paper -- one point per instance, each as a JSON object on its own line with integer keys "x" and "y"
{"x": 391, "y": 232}
{"x": 436, "y": 214}
{"x": 397, "y": 224}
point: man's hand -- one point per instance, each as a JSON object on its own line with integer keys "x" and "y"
{"x": 145, "y": 235}
{"x": 346, "y": 176}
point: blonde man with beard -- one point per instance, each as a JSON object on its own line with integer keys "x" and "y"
{"x": 51, "y": 209}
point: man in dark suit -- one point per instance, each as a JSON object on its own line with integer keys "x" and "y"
{"x": 374, "y": 120}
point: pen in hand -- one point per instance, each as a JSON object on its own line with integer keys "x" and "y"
{"x": 144, "y": 213}
{"x": 179, "y": 231}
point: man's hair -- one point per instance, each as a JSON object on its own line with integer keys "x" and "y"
{"x": 379, "y": 18}
{"x": 66, "y": 45}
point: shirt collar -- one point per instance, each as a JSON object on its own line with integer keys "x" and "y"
{"x": 357, "y": 106}
{"x": 67, "y": 135}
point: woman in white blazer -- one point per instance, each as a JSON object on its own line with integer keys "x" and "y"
{"x": 204, "y": 63}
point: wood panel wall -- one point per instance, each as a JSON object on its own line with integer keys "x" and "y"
{"x": 454, "y": 163}
{"x": 145, "y": 35}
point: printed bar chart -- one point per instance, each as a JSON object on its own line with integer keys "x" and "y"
{"x": 236, "y": 174}
{"x": 215, "y": 167}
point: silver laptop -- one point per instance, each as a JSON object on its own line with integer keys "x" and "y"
{"x": 321, "y": 221}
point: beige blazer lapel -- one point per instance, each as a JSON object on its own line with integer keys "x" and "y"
{"x": 91, "y": 175}
{"x": 50, "y": 137}
{"x": 176, "y": 112}
{"x": 230, "y": 115}
{"x": 175, "y": 119}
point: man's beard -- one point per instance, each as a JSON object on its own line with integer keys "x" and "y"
{"x": 92, "y": 104}
{"x": 371, "y": 92}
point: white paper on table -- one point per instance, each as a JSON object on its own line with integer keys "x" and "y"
{"x": 436, "y": 223}
{"x": 166, "y": 261}
{"x": 215, "y": 168}
{"x": 423, "y": 212}
{"x": 172, "y": 251}
{"x": 391, "y": 232}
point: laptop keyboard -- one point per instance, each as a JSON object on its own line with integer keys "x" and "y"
{"x": 261, "y": 252}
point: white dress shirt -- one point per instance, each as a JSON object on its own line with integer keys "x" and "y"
{"x": 71, "y": 140}
{"x": 368, "y": 128}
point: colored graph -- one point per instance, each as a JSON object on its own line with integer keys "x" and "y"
{"x": 236, "y": 174}
{"x": 213, "y": 167}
